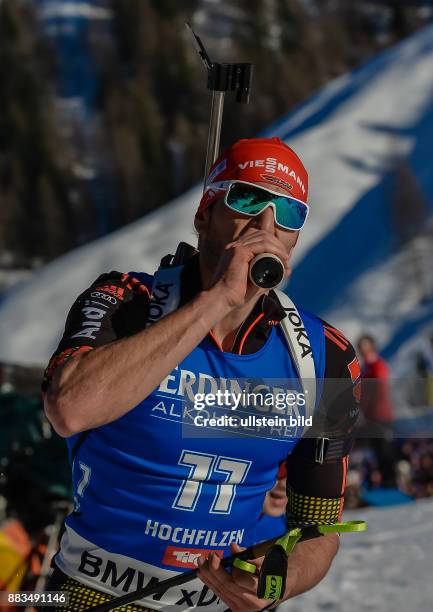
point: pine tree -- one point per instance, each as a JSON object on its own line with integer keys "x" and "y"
{"x": 27, "y": 141}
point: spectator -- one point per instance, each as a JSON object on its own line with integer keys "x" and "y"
{"x": 424, "y": 366}
{"x": 377, "y": 408}
{"x": 424, "y": 476}
{"x": 353, "y": 495}
{"x": 404, "y": 476}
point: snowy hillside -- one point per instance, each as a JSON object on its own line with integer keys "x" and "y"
{"x": 370, "y": 287}
{"x": 386, "y": 569}
{"x": 345, "y": 134}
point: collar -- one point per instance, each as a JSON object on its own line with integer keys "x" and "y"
{"x": 256, "y": 328}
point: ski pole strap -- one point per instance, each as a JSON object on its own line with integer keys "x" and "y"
{"x": 346, "y": 527}
{"x": 273, "y": 573}
{"x": 245, "y": 566}
{"x": 272, "y": 578}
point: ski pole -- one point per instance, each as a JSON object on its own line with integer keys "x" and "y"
{"x": 273, "y": 571}
{"x": 257, "y": 550}
{"x": 286, "y": 541}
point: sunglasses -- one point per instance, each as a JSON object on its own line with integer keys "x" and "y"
{"x": 249, "y": 199}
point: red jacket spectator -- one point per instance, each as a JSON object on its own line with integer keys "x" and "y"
{"x": 376, "y": 399}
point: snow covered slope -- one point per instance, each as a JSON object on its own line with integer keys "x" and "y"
{"x": 386, "y": 569}
{"x": 345, "y": 135}
{"x": 366, "y": 133}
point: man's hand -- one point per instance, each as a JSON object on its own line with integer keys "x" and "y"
{"x": 308, "y": 565}
{"x": 232, "y": 273}
{"x": 239, "y": 589}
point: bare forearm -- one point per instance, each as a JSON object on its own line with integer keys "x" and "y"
{"x": 309, "y": 563}
{"x": 100, "y": 386}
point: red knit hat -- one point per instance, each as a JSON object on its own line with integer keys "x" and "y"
{"x": 264, "y": 160}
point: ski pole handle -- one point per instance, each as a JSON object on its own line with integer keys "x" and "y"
{"x": 287, "y": 540}
{"x": 252, "y": 552}
{"x": 273, "y": 572}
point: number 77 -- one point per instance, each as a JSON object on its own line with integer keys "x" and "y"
{"x": 201, "y": 466}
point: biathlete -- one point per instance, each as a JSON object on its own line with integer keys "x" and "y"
{"x": 151, "y": 499}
